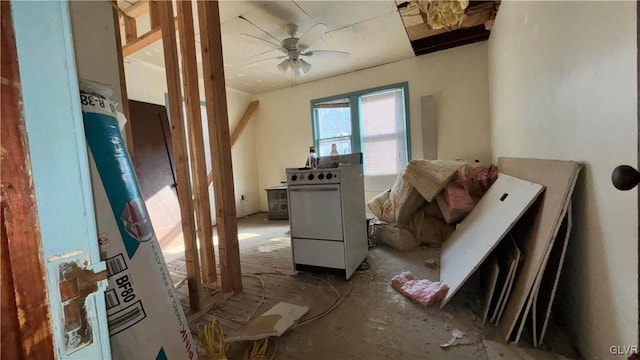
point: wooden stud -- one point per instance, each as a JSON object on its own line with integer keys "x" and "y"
{"x": 144, "y": 40}
{"x": 26, "y": 324}
{"x": 242, "y": 124}
{"x": 130, "y": 29}
{"x": 138, "y": 9}
{"x": 153, "y": 14}
{"x": 123, "y": 85}
{"x": 216, "y": 101}
{"x": 165, "y": 11}
{"x": 196, "y": 142}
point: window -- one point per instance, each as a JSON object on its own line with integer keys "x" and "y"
{"x": 372, "y": 121}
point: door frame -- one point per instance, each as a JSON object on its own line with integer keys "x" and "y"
{"x": 26, "y": 325}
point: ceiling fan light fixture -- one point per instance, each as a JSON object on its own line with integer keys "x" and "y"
{"x": 284, "y": 66}
{"x": 305, "y": 66}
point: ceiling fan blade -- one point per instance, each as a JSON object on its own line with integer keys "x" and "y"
{"x": 312, "y": 35}
{"x": 334, "y": 54}
{"x": 257, "y": 62}
{"x": 264, "y": 42}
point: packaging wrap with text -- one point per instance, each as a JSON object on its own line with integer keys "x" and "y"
{"x": 140, "y": 292}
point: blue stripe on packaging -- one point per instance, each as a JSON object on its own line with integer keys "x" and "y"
{"x": 116, "y": 171}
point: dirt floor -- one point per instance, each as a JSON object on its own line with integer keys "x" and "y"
{"x": 373, "y": 321}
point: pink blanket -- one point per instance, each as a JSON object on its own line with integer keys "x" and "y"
{"x": 424, "y": 292}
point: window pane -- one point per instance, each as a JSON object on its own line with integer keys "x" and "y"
{"x": 343, "y": 145}
{"x": 333, "y": 119}
{"x": 383, "y": 132}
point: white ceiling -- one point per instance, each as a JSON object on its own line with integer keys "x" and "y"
{"x": 372, "y": 31}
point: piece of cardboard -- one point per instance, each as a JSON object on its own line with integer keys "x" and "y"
{"x": 559, "y": 178}
{"x": 505, "y": 262}
{"x": 490, "y": 280}
{"x": 546, "y": 290}
{"x": 515, "y": 254}
{"x": 274, "y": 322}
{"x": 479, "y": 233}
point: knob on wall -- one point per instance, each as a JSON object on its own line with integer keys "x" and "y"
{"x": 625, "y": 177}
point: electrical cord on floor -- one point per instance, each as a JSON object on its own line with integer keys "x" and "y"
{"x": 244, "y": 321}
{"x": 261, "y": 349}
{"x": 338, "y": 300}
{"x": 211, "y": 339}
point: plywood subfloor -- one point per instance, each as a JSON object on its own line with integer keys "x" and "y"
{"x": 373, "y": 322}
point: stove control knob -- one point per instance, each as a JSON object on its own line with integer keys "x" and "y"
{"x": 329, "y": 176}
{"x": 294, "y": 177}
{"x": 310, "y": 177}
{"x": 321, "y": 176}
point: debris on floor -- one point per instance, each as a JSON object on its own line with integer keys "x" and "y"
{"x": 396, "y": 236}
{"x": 424, "y": 292}
{"x": 499, "y": 351}
{"x": 432, "y": 263}
{"x": 455, "y": 335}
{"x": 274, "y": 322}
{"x": 430, "y": 197}
{"x": 411, "y": 203}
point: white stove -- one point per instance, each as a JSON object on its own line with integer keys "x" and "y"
{"x": 304, "y": 176}
{"x": 327, "y": 217}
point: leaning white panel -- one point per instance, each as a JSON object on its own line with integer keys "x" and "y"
{"x": 479, "y": 233}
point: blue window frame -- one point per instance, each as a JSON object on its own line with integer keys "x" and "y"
{"x": 372, "y": 121}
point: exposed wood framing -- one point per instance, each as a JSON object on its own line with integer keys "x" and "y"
{"x": 196, "y": 142}
{"x": 153, "y": 14}
{"x": 244, "y": 121}
{"x": 216, "y": 102}
{"x": 26, "y": 326}
{"x": 242, "y": 124}
{"x": 123, "y": 85}
{"x": 137, "y": 9}
{"x": 130, "y": 28}
{"x": 144, "y": 40}
{"x": 165, "y": 12}
{"x": 450, "y": 39}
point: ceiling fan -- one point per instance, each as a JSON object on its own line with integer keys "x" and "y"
{"x": 294, "y": 49}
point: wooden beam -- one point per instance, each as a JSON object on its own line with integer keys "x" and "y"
{"x": 130, "y": 29}
{"x": 123, "y": 86}
{"x": 450, "y": 39}
{"x": 178, "y": 138}
{"x": 219, "y": 139}
{"x": 144, "y": 40}
{"x": 138, "y": 9}
{"x": 25, "y": 322}
{"x": 244, "y": 121}
{"x": 242, "y": 124}
{"x": 153, "y": 14}
{"x": 196, "y": 140}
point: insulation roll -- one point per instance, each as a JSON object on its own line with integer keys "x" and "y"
{"x": 144, "y": 315}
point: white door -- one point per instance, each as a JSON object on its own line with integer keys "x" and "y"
{"x": 315, "y": 212}
{"x": 54, "y": 125}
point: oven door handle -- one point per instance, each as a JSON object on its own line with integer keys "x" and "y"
{"x": 315, "y": 189}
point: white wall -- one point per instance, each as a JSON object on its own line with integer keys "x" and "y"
{"x": 243, "y": 153}
{"x": 563, "y": 86}
{"x": 457, "y": 78}
{"x": 147, "y": 83}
